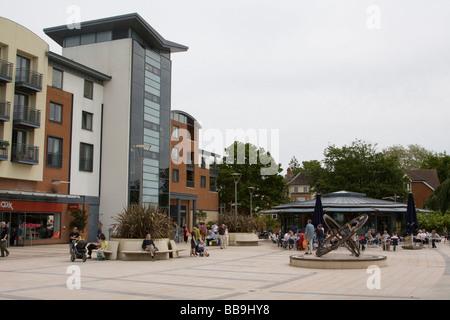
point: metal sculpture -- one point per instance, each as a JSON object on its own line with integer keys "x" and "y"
{"x": 342, "y": 235}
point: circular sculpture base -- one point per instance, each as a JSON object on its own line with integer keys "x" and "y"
{"x": 337, "y": 261}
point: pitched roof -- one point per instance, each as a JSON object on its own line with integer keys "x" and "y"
{"x": 299, "y": 179}
{"x": 428, "y": 176}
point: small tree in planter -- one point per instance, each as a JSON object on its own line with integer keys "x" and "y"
{"x": 79, "y": 219}
{"x": 136, "y": 221}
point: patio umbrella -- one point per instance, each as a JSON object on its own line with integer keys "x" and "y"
{"x": 411, "y": 216}
{"x": 318, "y": 213}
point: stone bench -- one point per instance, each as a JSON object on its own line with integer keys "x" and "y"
{"x": 175, "y": 250}
{"x": 247, "y": 242}
{"x": 132, "y": 250}
{"x": 111, "y": 253}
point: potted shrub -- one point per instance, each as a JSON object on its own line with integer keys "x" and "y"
{"x": 136, "y": 221}
{"x": 79, "y": 220}
{"x": 242, "y": 227}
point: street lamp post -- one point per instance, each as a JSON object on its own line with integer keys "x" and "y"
{"x": 140, "y": 147}
{"x": 236, "y": 177}
{"x": 251, "y": 190}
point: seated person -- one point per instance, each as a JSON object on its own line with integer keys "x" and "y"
{"x": 211, "y": 237}
{"x": 434, "y": 238}
{"x": 202, "y": 249}
{"x": 93, "y": 246}
{"x": 103, "y": 247}
{"x": 149, "y": 245}
{"x": 394, "y": 240}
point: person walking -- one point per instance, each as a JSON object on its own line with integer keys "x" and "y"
{"x": 222, "y": 238}
{"x": 3, "y": 238}
{"x": 309, "y": 235}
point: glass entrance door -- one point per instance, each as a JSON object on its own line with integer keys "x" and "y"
{"x": 14, "y": 221}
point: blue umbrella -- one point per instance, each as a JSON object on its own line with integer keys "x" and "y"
{"x": 318, "y": 213}
{"x": 411, "y": 216}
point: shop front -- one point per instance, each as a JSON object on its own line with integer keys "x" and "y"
{"x": 32, "y": 222}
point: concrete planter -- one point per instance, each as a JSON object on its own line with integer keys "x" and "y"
{"x": 135, "y": 244}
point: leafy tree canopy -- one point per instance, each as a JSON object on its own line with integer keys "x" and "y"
{"x": 258, "y": 169}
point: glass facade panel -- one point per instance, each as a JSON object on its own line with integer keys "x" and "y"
{"x": 150, "y": 122}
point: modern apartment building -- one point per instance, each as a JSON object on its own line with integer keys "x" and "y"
{"x": 40, "y": 103}
{"x": 135, "y": 152}
{"x": 193, "y": 186}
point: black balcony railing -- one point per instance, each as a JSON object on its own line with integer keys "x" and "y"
{"x": 5, "y": 110}
{"x": 4, "y": 145}
{"x": 27, "y": 116}
{"x": 23, "y": 153}
{"x": 28, "y": 80}
{"x": 5, "y": 71}
{"x": 190, "y": 184}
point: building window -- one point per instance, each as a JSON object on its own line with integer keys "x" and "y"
{"x": 203, "y": 181}
{"x": 54, "y": 152}
{"x": 175, "y": 175}
{"x": 88, "y": 89}
{"x": 305, "y": 189}
{"x": 176, "y": 133}
{"x": 55, "y": 113}
{"x": 57, "y": 78}
{"x": 86, "y": 120}
{"x": 86, "y": 157}
{"x": 175, "y": 154}
{"x": 296, "y": 189}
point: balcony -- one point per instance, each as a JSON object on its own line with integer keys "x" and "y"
{"x": 4, "y": 150}
{"x": 5, "y": 72}
{"x": 190, "y": 184}
{"x": 23, "y": 153}
{"x": 27, "y": 117}
{"x": 28, "y": 81}
{"x": 5, "y": 110}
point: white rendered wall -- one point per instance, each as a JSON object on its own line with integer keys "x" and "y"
{"x": 82, "y": 182}
{"x": 114, "y": 59}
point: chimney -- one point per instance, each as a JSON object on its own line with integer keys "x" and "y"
{"x": 289, "y": 173}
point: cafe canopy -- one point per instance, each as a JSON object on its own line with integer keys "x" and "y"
{"x": 343, "y": 205}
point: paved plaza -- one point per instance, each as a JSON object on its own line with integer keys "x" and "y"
{"x": 236, "y": 273}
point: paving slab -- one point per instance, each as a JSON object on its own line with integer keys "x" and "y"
{"x": 260, "y": 272}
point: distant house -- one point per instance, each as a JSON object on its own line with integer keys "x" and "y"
{"x": 422, "y": 184}
{"x": 298, "y": 188}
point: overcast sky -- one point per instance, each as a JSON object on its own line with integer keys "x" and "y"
{"x": 318, "y": 72}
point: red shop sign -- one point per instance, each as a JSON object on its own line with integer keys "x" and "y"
{"x": 11, "y": 205}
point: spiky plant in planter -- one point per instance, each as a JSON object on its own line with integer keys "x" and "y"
{"x": 136, "y": 221}
{"x": 243, "y": 223}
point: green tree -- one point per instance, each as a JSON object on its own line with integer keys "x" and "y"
{"x": 440, "y": 199}
{"x": 411, "y": 157}
{"x": 258, "y": 169}
{"x": 361, "y": 168}
{"x": 440, "y": 162}
{"x": 294, "y": 165}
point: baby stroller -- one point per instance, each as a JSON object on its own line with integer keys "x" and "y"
{"x": 201, "y": 251}
{"x": 78, "y": 250}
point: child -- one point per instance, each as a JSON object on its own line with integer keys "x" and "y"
{"x": 103, "y": 247}
{"x": 202, "y": 249}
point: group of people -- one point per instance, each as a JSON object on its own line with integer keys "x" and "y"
{"x": 423, "y": 238}
{"x": 200, "y": 238}
{"x": 100, "y": 245}
{"x": 385, "y": 240}
{"x": 309, "y": 240}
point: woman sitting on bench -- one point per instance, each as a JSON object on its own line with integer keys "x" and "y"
{"x": 149, "y": 245}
